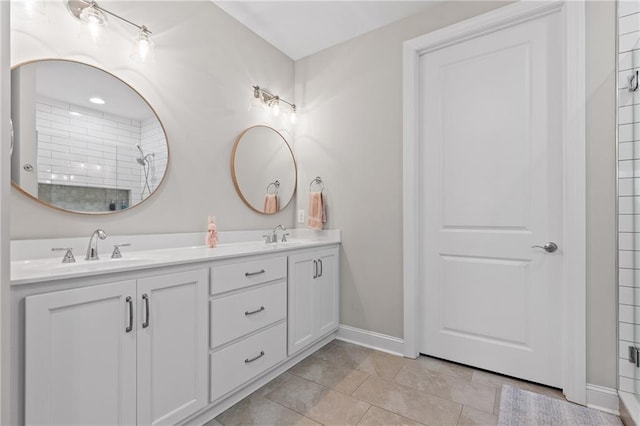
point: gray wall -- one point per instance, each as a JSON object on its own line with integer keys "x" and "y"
{"x": 350, "y": 133}
{"x": 200, "y": 86}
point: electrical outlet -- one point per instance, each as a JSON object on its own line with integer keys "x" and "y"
{"x": 300, "y": 216}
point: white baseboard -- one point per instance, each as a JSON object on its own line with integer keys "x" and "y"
{"x": 603, "y": 399}
{"x": 632, "y": 405}
{"x": 371, "y": 339}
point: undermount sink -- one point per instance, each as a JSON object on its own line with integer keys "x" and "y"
{"x": 81, "y": 264}
{"x": 108, "y": 263}
{"x": 291, "y": 243}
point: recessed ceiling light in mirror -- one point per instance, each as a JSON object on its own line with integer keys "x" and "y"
{"x": 97, "y": 101}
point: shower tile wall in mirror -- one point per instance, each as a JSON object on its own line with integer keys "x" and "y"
{"x": 85, "y": 140}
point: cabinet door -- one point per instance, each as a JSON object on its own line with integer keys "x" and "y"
{"x": 80, "y": 358}
{"x": 301, "y": 324}
{"x": 326, "y": 287}
{"x": 172, "y": 346}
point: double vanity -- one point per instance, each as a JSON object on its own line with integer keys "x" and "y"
{"x": 149, "y": 329}
{"x": 173, "y": 333}
{"x": 164, "y": 330}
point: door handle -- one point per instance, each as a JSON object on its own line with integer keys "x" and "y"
{"x": 320, "y": 263}
{"x": 129, "y": 302}
{"x": 315, "y": 269}
{"x": 145, "y": 297}
{"x": 550, "y": 247}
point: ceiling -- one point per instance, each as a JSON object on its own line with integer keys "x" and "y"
{"x": 75, "y": 83}
{"x": 300, "y": 28}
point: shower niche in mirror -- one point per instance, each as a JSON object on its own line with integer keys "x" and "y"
{"x": 263, "y": 169}
{"x": 84, "y": 140}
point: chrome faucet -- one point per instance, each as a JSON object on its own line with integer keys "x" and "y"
{"x": 273, "y": 237}
{"x": 92, "y": 250}
{"x": 274, "y": 233}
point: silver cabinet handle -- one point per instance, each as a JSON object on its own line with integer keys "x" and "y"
{"x": 250, "y": 360}
{"x": 145, "y": 297}
{"x": 129, "y": 302}
{"x": 252, "y": 274}
{"x": 247, "y": 313}
{"x": 315, "y": 269}
{"x": 320, "y": 263}
{"x": 550, "y": 247}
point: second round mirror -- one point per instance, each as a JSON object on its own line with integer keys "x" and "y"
{"x": 263, "y": 169}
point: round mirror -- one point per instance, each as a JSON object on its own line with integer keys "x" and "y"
{"x": 85, "y": 141}
{"x": 263, "y": 169}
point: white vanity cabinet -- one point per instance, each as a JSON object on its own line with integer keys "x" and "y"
{"x": 173, "y": 342}
{"x": 313, "y": 297}
{"x": 122, "y": 353}
{"x": 75, "y": 339}
{"x": 248, "y": 311}
{"x": 172, "y": 347}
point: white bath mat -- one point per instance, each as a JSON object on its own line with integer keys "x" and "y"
{"x": 522, "y": 408}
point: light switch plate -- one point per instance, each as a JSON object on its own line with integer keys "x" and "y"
{"x": 300, "y": 216}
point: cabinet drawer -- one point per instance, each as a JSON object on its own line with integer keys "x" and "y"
{"x": 243, "y": 274}
{"x": 246, "y": 359}
{"x": 241, "y": 313}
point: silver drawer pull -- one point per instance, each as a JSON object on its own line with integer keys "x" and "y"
{"x": 251, "y": 274}
{"x": 247, "y": 313}
{"x": 249, "y": 361}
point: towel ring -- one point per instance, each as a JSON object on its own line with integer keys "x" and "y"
{"x": 273, "y": 186}
{"x": 317, "y": 180}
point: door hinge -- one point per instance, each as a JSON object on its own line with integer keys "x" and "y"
{"x": 634, "y": 355}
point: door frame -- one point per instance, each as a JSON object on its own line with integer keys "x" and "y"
{"x": 573, "y": 350}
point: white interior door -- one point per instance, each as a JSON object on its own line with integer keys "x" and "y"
{"x": 491, "y": 138}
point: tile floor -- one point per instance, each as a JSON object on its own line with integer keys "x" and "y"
{"x": 345, "y": 384}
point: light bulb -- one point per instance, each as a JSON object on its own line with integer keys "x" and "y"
{"x": 93, "y": 20}
{"x": 33, "y": 7}
{"x": 143, "y": 47}
{"x": 256, "y": 102}
{"x": 276, "y": 108}
{"x": 292, "y": 116}
{"x": 91, "y": 15}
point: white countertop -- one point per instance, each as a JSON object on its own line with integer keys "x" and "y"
{"x": 28, "y": 271}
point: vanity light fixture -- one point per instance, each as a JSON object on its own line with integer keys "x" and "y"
{"x": 273, "y": 101}
{"x": 90, "y": 13}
